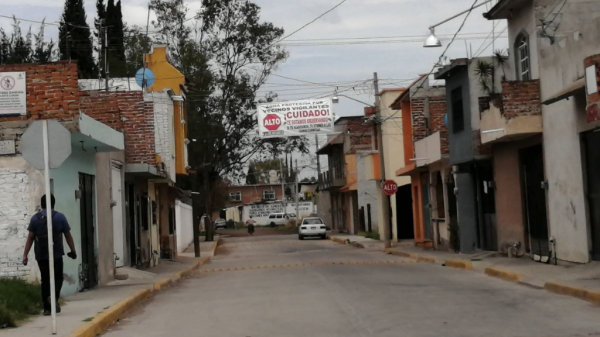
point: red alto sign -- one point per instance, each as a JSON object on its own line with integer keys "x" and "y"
{"x": 272, "y": 122}
{"x": 390, "y": 187}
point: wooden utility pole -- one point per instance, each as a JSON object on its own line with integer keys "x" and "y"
{"x": 296, "y": 192}
{"x": 197, "y": 217}
{"x": 384, "y": 199}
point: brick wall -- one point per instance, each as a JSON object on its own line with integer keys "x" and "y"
{"x": 252, "y": 194}
{"x": 360, "y": 135}
{"x": 127, "y": 112}
{"x": 52, "y": 91}
{"x": 14, "y": 219}
{"x": 437, "y": 111}
{"x": 419, "y": 121}
{"x": 521, "y": 98}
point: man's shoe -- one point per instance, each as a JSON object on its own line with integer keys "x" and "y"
{"x": 47, "y": 313}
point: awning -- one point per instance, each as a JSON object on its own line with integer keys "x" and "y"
{"x": 349, "y": 188}
{"x": 339, "y": 139}
{"x": 409, "y": 169}
{"x": 567, "y": 92}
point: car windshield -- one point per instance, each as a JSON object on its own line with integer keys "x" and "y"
{"x": 312, "y": 222}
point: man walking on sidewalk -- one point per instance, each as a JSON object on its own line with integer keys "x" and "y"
{"x": 38, "y": 232}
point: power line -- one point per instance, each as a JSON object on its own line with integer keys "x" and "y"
{"x": 311, "y": 22}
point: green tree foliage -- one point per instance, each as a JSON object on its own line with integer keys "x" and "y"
{"x": 17, "y": 48}
{"x": 251, "y": 176}
{"x": 117, "y": 65}
{"x": 99, "y": 23}
{"x": 74, "y": 39}
{"x": 136, "y": 45}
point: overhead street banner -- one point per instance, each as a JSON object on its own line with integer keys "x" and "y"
{"x": 297, "y": 118}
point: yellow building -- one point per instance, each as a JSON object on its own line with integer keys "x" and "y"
{"x": 167, "y": 77}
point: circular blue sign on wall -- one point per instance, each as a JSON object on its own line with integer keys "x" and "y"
{"x": 145, "y": 78}
{"x": 446, "y": 119}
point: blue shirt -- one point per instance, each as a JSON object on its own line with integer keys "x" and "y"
{"x": 39, "y": 227}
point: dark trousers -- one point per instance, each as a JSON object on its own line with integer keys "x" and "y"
{"x": 58, "y": 279}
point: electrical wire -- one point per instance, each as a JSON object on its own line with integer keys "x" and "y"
{"x": 311, "y": 22}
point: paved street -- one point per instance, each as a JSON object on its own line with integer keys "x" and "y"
{"x": 272, "y": 286}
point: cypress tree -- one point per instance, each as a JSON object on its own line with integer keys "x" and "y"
{"x": 74, "y": 39}
{"x": 116, "y": 51}
{"x": 99, "y": 23}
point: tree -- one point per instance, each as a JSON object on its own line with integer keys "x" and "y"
{"x": 116, "y": 51}
{"x": 74, "y": 39}
{"x": 99, "y": 24}
{"x": 17, "y": 48}
{"x": 43, "y": 51}
{"x": 251, "y": 178}
{"x": 136, "y": 45}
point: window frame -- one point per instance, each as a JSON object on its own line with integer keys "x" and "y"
{"x": 523, "y": 57}
{"x": 270, "y": 192}
{"x": 235, "y": 196}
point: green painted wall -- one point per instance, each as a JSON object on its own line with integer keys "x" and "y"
{"x": 66, "y": 182}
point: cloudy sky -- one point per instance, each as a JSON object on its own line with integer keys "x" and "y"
{"x": 347, "y": 66}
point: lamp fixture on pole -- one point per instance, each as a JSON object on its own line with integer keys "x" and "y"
{"x": 433, "y": 41}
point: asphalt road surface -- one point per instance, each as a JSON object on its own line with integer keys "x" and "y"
{"x": 275, "y": 286}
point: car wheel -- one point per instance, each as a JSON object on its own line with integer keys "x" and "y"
{"x": 324, "y": 237}
{"x": 300, "y": 237}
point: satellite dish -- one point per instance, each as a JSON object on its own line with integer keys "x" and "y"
{"x": 145, "y": 78}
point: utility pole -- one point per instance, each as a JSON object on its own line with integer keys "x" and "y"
{"x": 385, "y": 201}
{"x": 282, "y": 186}
{"x": 318, "y": 159}
{"x": 297, "y": 204}
{"x": 105, "y": 47}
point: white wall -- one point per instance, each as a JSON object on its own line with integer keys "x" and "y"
{"x": 367, "y": 190}
{"x": 184, "y": 225}
{"x": 260, "y": 213}
{"x": 560, "y": 65}
{"x": 164, "y": 139}
{"x": 20, "y": 189}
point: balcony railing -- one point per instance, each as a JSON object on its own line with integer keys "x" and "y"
{"x": 330, "y": 180}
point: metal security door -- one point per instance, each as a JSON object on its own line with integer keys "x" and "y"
{"x": 117, "y": 215}
{"x": 88, "y": 271}
{"x": 426, "y": 206}
{"x": 532, "y": 161}
{"x": 592, "y": 158}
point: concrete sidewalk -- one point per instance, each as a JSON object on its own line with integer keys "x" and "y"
{"x": 581, "y": 281}
{"x": 89, "y": 312}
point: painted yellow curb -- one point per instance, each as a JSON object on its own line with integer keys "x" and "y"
{"x": 110, "y": 315}
{"x": 162, "y": 284}
{"x": 459, "y": 264}
{"x": 503, "y": 274}
{"x": 400, "y": 253}
{"x": 338, "y": 240}
{"x": 426, "y": 259}
{"x": 573, "y": 291}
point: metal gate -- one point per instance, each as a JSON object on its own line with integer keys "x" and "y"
{"x": 592, "y": 158}
{"x": 88, "y": 273}
{"x": 532, "y": 163}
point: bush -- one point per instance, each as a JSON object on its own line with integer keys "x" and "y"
{"x": 371, "y": 235}
{"x": 18, "y": 300}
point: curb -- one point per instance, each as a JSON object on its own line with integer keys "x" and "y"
{"x": 459, "y": 264}
{"x": 110, "y": 316}
{"x": 573, "y": 291}
{"x": 416, "y": 257}
{"x": 344, "y": 242}
{"x": 503, "y": 274}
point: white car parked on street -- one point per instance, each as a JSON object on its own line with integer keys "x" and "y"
{"x": 312, "y": 227}
{"x": 278, "y": 219}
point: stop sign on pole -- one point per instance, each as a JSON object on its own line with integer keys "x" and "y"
{"x": 59, "y": 144}
{"x": 390, "y": 187}
{"x": 272, "y": 122}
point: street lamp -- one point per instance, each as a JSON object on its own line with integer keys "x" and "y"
{"x": 433, "y": 41}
